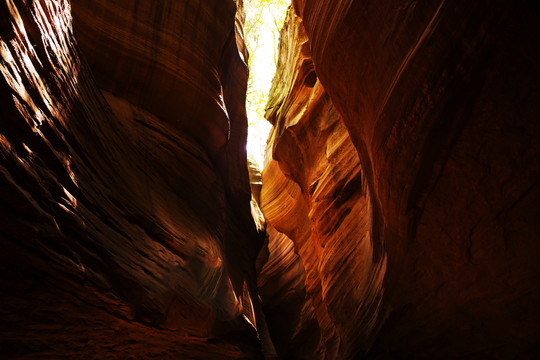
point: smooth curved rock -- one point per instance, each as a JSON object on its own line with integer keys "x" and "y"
{"x": 164, "y": 57}
{"x": 440, "y": 101}
{"x": 126, "y": 227}
{"x": 401, "y": 182}
{"x": 314, "y": 191}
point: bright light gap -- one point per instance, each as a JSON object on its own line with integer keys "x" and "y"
{"x": 264, "y": 19}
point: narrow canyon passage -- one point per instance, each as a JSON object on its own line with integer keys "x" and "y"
{"x": 396, "y": 214}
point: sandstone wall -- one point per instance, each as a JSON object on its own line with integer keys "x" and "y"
{"x": 314, "y": 192}
{"x": 439, "y": 101}
{"x": 125, "y": 214}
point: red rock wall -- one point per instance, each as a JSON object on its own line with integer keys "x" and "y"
{"x": 314, "y": 193}
{"x": 440, "y": 102}
{"x": 125, "y": 213}
{"x": 401, "y": 183}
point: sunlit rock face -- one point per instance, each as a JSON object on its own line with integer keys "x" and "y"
{"x": 125, "y": 200}
{"x": 314, "y": 193}
{"x": 400, "y": 186}
{"x": 413, "y": 203}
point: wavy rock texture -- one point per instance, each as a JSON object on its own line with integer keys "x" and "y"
{"x": 401, "y": 182}
{"x": 125, "y": 213}
{"x": 314, "y": 191}
{"x": 440, "y": 103}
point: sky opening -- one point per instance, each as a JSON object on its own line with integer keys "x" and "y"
{"x": 264, "y": 19}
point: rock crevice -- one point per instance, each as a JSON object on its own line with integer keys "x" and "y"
{"x": 400, "y": 188}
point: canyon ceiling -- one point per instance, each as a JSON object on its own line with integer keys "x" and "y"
{"x": 397, "y": 214}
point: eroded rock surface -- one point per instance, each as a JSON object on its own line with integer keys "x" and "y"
{"x": 126, "y": 227}
{"x": 314, "y": 193}
{"x": 400, "y": 185}
{"x": 413, "y": 203}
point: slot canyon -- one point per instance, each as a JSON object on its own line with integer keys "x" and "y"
{"x": 397, "y": 214}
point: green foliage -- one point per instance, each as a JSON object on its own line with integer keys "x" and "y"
{"x": 263, "y": 22}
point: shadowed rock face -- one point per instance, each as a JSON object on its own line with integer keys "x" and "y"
{"x": 126, "y": 226}
{"x": 400, "y": 185}
{"x": 413, "y": 203}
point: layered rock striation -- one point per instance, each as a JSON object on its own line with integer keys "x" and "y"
{"x": 409, "y": 184}
{"x": 125, "y": 215}
{"x": 314, "y": 193}
{"x": 400, "y": 184}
